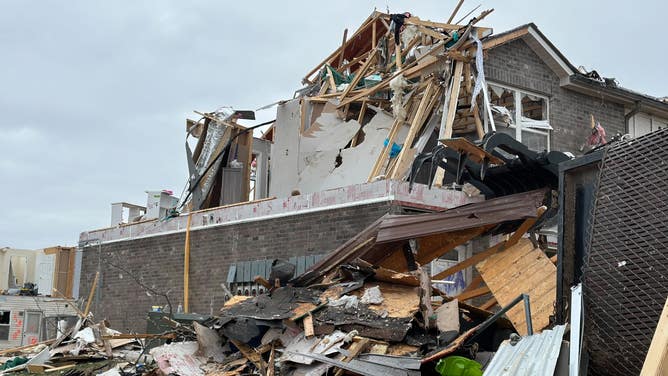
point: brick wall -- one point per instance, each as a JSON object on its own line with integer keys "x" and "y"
{"x": 158, "y": 260}
{"x": 515, "y": 64}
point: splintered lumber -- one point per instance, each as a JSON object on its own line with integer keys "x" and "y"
{"x": 454, "y": 12}
{"x": 446, "y": 125}
{"x": 369, "y": 21}
{"x": 360, "y": 74}
{"x": 474, "y": 153}
{"x": 355, "y": 349}
{"x": 343, "y": 48}
{"x": 514, "y": 238}
{"x": 416, "y": 124}
{"x": 407, "y": 71}
{"x": 91, "y": 294}
{"x": 251, "y": 354}
{"x": 656, "y": 361}
{"x": 522, "y": 269}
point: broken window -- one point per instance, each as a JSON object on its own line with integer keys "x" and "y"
{"x": 4, "y": 325}
{"x": 522, "y": 115}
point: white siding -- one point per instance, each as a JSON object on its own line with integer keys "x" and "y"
{"x": 18, "y": 305}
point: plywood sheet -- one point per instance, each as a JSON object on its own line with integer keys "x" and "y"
{"x": 522, "y": 269}
{"x": 398, "y": 300}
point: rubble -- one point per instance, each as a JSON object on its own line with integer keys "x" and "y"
{"x": 371, "y": 110}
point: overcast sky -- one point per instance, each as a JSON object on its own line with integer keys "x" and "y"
{"x": 94, "y": 95}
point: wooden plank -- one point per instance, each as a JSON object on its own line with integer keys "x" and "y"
{"x": 371, "y": 20}
{"x": 355, "y": 349}
{"x": 488, "y": 304}
{"x": 415, "y": 124}
{"x": 446, "y": 127}
{"x": 516, "y": 271}
{"x": 308, "y": 326}
{"x": 475, "y": 283}
{"x": 480, "y": 291}
{"x": 656, "y": 361}
{"x": 514, "y": 238}
{"x": 251, "y": 354}
{"x": 343, "y": 48}
{"x": 384, "y": 153}
{"x": 454, "y": 12}
{"x": 359, "y": 74}
{"x": 408, "y": 71}
{"x": 62, "y": 368}
{"x": 91, "y": 294}
{"x": 330, "y": 78}
{"x": 474, "y": 153}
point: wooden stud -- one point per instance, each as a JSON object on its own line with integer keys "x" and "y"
{"x": 454, "y": 12}
{"x": 270, "y": 367}
{"x": 343, "y": 48}
{"x": 373, "y": 35}
{"x": 359, "y": 74}
{"x": 308, "y": 326}
{"x": 488, "y": 304}
{"x": 480, "y": 291}
{"x": 375, "y": 171}
{"x": 360, "y": 118}
{"x": 415, "y": 125}
{"x": 408, "y": 73}
{"x": 91, "y": 294}
{"x": 397, "y": 54}
{"x": 186, "y": 267}
{"x": 367, "y": 22}
{"x": 446, "y": 127}
{"x": 475, "y": 283}
{"x": 332, "y": 82}
{"x": 355, "y": 349}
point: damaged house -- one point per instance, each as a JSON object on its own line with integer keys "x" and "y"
{"x": 413, "y": 155}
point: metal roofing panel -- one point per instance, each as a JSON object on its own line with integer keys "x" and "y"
{"x": 534, "y": 355}
{"x": 502, "y": 209}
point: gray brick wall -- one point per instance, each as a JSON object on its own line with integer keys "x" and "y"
{"x": 158, "y": 260}
{"x": 515, "y": 64}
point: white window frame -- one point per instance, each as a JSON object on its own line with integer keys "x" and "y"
{"x": 655, "y": 123}
{"x": 517, "y": 96}
{"x": 8, "y": 324}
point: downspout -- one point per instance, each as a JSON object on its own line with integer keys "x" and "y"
{"x": 628, "y": 116}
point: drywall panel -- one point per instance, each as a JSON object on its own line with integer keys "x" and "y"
{"x": 285, "y": 151}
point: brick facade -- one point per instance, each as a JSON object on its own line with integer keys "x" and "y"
{"x": 515, "y": 64}
{"x": 158, "y": 260}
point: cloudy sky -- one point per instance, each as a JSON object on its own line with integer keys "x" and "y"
{"x": 94, "y": 95}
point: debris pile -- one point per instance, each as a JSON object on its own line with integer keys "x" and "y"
{"x": 370, "y": 307}
{"x": 399, "y": 92}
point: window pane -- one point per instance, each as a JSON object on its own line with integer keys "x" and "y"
{"x": 4, "y": 317}
{"x": 534, "y": 141}
{"x": 4, "y": 332}
{"x": 534, "y": 107}
{"x": 503, "y": 98}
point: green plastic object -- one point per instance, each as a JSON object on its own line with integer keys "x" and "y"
{"x": 458, "y": 366}
{"x": 13, "y": 363}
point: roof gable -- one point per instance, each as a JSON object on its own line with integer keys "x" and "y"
{"x": 530, "y": 34}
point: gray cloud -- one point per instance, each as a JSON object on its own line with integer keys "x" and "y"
{"x": 95, "y": 94}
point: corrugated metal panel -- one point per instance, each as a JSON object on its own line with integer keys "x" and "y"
{"x": 18, "y": 305}
{"x": 534, "y": 355}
